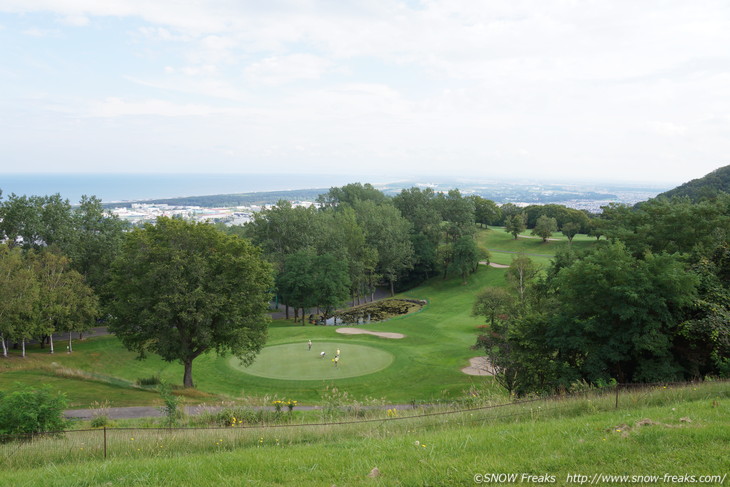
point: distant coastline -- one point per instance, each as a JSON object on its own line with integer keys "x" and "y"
{"x": 247, "y": 189}
{"x": 135, "y": 187}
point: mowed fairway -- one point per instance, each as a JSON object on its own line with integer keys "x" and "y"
{"x": 294, "y": 362}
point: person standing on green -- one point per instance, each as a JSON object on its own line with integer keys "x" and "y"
{"x": 309, "y": 345}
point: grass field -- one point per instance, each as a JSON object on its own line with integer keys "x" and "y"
{"x": 294, "y": 361}
{"x": 658, "y": 431}
{"x": 503, "y": 247}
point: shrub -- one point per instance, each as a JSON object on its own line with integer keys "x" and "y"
{"x": 172, "y": 410}
{"x": 30, "y": 411}
{"x": 149, "y": 381}
{"x": 100, "y": 414}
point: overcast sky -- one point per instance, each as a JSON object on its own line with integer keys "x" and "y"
{"x": 602, "y": 89}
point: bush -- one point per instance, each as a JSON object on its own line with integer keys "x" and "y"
{"x": 149, "y": 381}
{"x": 172, "y": 410}
{"x": 30, "y": 411}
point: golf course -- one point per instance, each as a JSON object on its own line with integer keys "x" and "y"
{"x": 424, "y": 366}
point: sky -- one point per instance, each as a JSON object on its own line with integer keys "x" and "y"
{"x": 618, "y": 90}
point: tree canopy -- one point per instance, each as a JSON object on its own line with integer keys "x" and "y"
{"x": 183, "y": 289}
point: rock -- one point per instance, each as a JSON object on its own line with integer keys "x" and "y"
{"x": 374, "y": 473}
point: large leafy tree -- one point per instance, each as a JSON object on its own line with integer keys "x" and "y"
{"x": 183, "y": 289}
{"x": 515, "y": 224}
{"x": 545, "y": 227}
{"x": 618, "y": 314}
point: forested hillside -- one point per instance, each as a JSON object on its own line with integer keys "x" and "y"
{"x": 705, "y": 187}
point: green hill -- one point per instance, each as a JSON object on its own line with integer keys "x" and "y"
{"x": 705, "y": 187}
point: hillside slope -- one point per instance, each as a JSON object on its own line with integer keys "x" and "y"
{"x": 704, "y": 187}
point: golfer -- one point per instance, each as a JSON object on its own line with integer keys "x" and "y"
{"x": 336, "y": 360}
{"x": 309, "y": 345}
{"x": 321, "y": 355}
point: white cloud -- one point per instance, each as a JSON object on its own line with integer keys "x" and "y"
{"x": 115, "y": 107}
{"x": 75, "y": 20}
{"x": 284, "y": 69}
{"x": 38, "y": 32}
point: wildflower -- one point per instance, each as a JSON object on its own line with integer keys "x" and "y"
{"x": 423, "y": 446}
{"x": 416, "y": 442}
{"x": 131, "y": 439}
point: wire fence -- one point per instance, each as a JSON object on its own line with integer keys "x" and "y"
{"x": 98, "y": 443}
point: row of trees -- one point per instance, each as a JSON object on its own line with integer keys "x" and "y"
{"x": 652, "y": 303}
{"x": 53, "y": 266}
{"x": 358, "y": 238}
{"x": 41, "y": 295}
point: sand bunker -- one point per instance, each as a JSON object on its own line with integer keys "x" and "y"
{"x": 478, "y": 366}
{"x": 494, "y": 264}
{"x": 360, "y": 331}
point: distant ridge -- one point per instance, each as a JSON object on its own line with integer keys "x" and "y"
{"x": 705, "y": 187}
{"x": 228, "y": 200}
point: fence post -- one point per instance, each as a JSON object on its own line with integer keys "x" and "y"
{"x": 104, "y": 441}
{"x": 617, "y": 387}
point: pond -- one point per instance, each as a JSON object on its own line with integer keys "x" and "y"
{"x": 375, "y": 312}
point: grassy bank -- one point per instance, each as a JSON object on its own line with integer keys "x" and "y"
{"x": 656, "y": 431}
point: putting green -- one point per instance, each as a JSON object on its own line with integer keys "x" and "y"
{"x": 294, "y": 362}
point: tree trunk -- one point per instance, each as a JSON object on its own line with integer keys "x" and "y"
{"x": 188, "y": 377}
{"x": 5, "y": 348}
{"x": 392, "y": 288}
{"x": 50, "y": 341}
{"x": 70, "y": 347}
{"x": 23, "y": 348}
{"x": 296, "y": 314}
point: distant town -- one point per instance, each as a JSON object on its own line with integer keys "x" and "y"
{"x": 239, "y": 209}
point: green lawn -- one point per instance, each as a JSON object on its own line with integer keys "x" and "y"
{"x": 674, "y": 432}
{"x": 295, "y": 362}
{"x": 503, "y": 247}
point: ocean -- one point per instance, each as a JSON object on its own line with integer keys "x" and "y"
{"x": 129, "y": 187}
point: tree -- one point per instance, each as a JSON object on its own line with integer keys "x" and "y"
{"x": 183, "y": 289}
{"x": 18, "y": 295}
{"x": 486, "y": 212}
{"x": 64, "y": 301}
{"x": 388, "y": 232}
{"x": 515, "y": 224}
{"x": 465, "y": 257}
{"x": 96, "y": 240}
{"x": 570, "y": 230}
{"x": 545, "y": 227}
{"x": 331, "y": 283}
{"x": 295, "y": 281}
{"x": 617, "y": 314}
{"x": 521, "y": 272}
{"x": 491, "y": 302}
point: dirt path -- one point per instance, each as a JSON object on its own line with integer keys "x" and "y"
{"x": 360, "y": 331}
{"x": 516, "y": 252}
{"x": 549, "y": 240}
{"x": 136, "y": 412}
{"x": 478, "y": 366}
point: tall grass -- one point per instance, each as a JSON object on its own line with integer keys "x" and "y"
{"x": 137, "y": 443}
